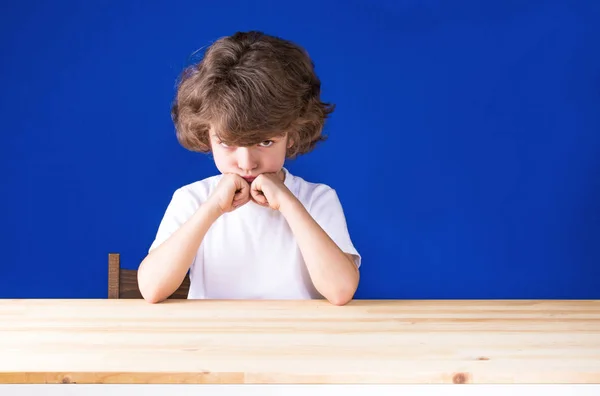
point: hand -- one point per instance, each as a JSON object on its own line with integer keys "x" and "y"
{"x": 269, "y": 191}
{"x": 231, "y": 193}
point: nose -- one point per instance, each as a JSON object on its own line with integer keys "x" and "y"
{"x": 246, "y": 159}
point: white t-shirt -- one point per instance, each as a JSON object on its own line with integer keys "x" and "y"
{"x": 251, "y": 253}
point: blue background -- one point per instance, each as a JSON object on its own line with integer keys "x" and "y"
{"x": 465, "y": 146}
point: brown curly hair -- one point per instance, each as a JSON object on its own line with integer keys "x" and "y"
{"x": 250, "y": 87}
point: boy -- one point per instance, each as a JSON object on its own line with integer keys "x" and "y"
{"x": 255, "y": 231}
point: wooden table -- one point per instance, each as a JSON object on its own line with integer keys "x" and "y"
{"x": 195, "y": 341}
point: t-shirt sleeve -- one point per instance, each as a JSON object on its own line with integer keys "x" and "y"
{"x": 180, "y": 209}
{"x": 326, "y": 209}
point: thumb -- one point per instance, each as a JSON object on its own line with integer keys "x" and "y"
{"x": 241, "y": 190}
{"x": 257, "y": 194}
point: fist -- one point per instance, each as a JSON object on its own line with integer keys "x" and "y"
{"x": 231, "y": 193}
{"x": 268, "y": 190}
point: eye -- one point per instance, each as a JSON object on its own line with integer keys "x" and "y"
{"x": 266, "y": 143}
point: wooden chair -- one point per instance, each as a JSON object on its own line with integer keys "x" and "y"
{"x": 122, "y": 283}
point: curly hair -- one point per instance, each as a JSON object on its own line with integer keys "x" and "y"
{"x": 248, "y": 88}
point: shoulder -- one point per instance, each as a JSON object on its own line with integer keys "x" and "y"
{"x": 196, "y": 192}
{"x": 314, "y": 195}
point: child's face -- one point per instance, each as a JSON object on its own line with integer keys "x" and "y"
{"x": 249, "y": 162}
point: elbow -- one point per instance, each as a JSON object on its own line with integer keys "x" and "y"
{"x": 150, "y": 293}
{"x": 152, "y": 298}
{"x": 344, "y": 294}
{"x": 341, "y": 297}
{"x": 340, "y": 301}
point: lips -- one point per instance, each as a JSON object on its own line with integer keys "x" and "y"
{"x": 248, "y": 178}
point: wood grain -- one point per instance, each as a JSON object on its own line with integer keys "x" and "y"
{"x": 201, "y": 341}
{"x": 114, "y": 268}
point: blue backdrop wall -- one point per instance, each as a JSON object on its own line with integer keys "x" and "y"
{"x": 465, "y": 146}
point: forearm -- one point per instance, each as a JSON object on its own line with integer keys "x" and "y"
{"x": 332, "y": 272}
{"x": 164, "y": 268}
